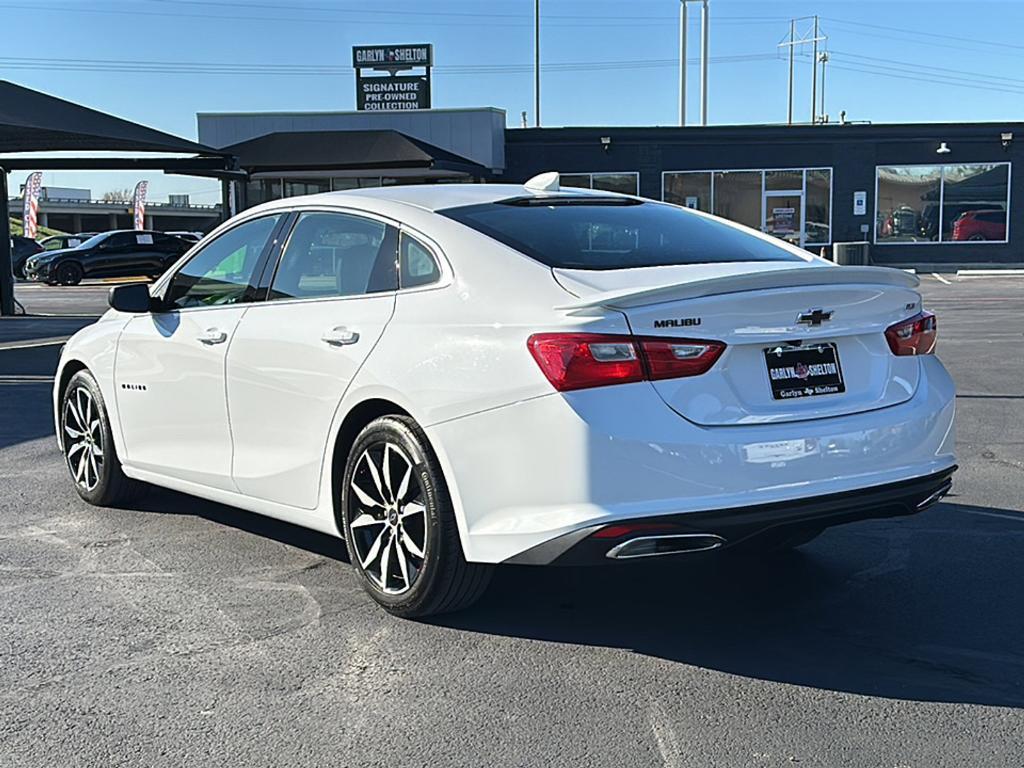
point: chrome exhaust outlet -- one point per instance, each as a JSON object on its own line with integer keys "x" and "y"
{"x": 935, "y": 497}
{"x": 668, "y": 544}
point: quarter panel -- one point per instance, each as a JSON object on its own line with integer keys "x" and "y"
{"x": 94, "y": 346}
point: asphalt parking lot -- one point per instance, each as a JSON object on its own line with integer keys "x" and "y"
{"x": 188, "y": 633}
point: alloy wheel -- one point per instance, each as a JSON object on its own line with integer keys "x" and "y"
{"x": 387, "y": 518}
{"x": 83, "y": 438}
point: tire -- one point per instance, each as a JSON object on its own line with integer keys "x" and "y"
{"x": 85, "y": 427}
{"x": 69, "y": 273}
{"x": 399, "y": 525}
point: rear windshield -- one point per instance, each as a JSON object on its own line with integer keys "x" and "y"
{"x": 613, "y": 233}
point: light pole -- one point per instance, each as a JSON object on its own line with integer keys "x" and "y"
{"x": 682, "y": 62}
{"x": 536, "y": 63}
{"x": 705, "y": 17}
{"x": 705, "y": 23}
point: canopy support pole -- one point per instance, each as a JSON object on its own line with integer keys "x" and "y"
{"x": 6, "y": 257}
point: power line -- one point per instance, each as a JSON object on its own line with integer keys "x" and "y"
{"x": 958, "y": 74}
{"x": 466, "y": 14}
{"x": 903, "y": 74}
{"x": 429, "y": 19}
{"x": 124, "y": 66}
{"x": 937, "y": 35}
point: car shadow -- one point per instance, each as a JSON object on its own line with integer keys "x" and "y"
{"x": 925, "y": 609}
{"x": 26, "y": 412}
{"x": 895, "y": 609}
{"x": 164, "y": 501}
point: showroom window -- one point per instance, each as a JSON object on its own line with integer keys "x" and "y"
{"x": 942, "y": 203}
{"x": 624, "y": 182}
{"x": 296, "y": 187}
{"x": 793, "y": 204}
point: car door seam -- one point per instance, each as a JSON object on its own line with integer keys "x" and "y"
{"x": 227, "y": 401}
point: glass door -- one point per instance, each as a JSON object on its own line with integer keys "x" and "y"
{"x": 783, "y": 212}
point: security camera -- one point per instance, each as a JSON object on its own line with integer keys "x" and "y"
{"x": 1007, "y": 138}
{"x": 606, "y": 142}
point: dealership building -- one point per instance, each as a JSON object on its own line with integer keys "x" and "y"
{"x": 918, "y": 194}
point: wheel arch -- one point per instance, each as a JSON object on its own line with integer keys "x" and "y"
{"x": 67, "y": 370}
{"x": 358, "y": 417}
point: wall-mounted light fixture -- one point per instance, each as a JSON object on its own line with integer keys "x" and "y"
{"x": 1007, "y": 139}
{"x": 943, "y": 149}
{"x": 606, "y": 142}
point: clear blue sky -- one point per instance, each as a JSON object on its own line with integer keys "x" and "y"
{"x": 610, "y": 62}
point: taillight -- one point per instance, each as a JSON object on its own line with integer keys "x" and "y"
{"x": 913, "y": 336}
{"x": 674, "y": 358}
{"x": 581, "y": 360}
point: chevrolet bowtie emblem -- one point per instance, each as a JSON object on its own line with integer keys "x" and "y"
{"x": 814, "y": 317}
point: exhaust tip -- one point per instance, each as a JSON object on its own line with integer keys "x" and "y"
{"x": 935, "y": 498}
{"x": 668, "y": 544}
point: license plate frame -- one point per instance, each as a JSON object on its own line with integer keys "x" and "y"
{"x": 793, "y": 370}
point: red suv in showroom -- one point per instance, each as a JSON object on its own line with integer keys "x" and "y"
{"x": 980, "y": 225}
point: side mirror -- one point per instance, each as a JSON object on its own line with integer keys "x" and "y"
{"x": 133, "y": 297}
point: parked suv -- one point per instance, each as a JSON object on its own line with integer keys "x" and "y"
{"x": 21, "y": 249}
{"x": 980, "y": 225}
{"x": 122, "y": 253}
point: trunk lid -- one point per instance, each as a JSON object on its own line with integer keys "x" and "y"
{"x": 754, "y": 309}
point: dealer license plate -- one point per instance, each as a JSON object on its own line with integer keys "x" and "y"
{"x": 804, "y": 371}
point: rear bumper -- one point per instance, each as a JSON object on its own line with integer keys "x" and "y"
{"x": 538, "y": 469}
{"x": 735, "y": 527}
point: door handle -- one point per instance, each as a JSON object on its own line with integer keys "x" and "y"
{"x": 340, "y": 336}
{"x": 212, "y": 336}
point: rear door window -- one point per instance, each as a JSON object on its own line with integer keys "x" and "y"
{"x": 336, "y": 254}
{"x": 614, "y": 233}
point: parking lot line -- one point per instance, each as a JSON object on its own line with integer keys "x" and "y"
{"x": 48, "y": 342}
{"x": 940, "y": 278}
{"x": 1015, "y": 518}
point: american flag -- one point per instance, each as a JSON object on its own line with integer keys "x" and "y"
{"x": 139, "y": 204}
{"x": 30, "y": 214}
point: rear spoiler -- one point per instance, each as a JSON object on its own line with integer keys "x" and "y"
{"x": 747, "y": 281}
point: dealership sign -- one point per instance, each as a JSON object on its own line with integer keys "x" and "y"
{"x": 392, "y": 57}
{"x": 392, "y": 91}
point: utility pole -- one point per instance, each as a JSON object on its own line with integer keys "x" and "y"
{"x": 6, "y": 257}
{"x": 824, "y": 61}
{"x": 811, "y": 35}
{"x": 705, "y": 20}
{"x": 792, "y": 56}
{"x": 536, "y": 63}
{"x": 814, "y": 73}
{"x": 682, "y": 62}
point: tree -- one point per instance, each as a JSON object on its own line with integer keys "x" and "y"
{"x": 117, "y": 196}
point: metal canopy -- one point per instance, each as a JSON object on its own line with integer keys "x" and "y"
{"x": 373, "y": 150}
{"x": 31, "y": 121}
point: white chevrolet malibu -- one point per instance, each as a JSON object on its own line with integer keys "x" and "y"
{"x": 455, "y": 376}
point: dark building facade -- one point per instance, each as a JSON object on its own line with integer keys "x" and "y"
{"x": 918, "y": 193}
{"x": 925, "y": 194}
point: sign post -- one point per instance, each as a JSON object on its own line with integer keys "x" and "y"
{"x": 392, "y": 91}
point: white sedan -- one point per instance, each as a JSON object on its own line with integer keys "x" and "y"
{"x": 455, "y": 376}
